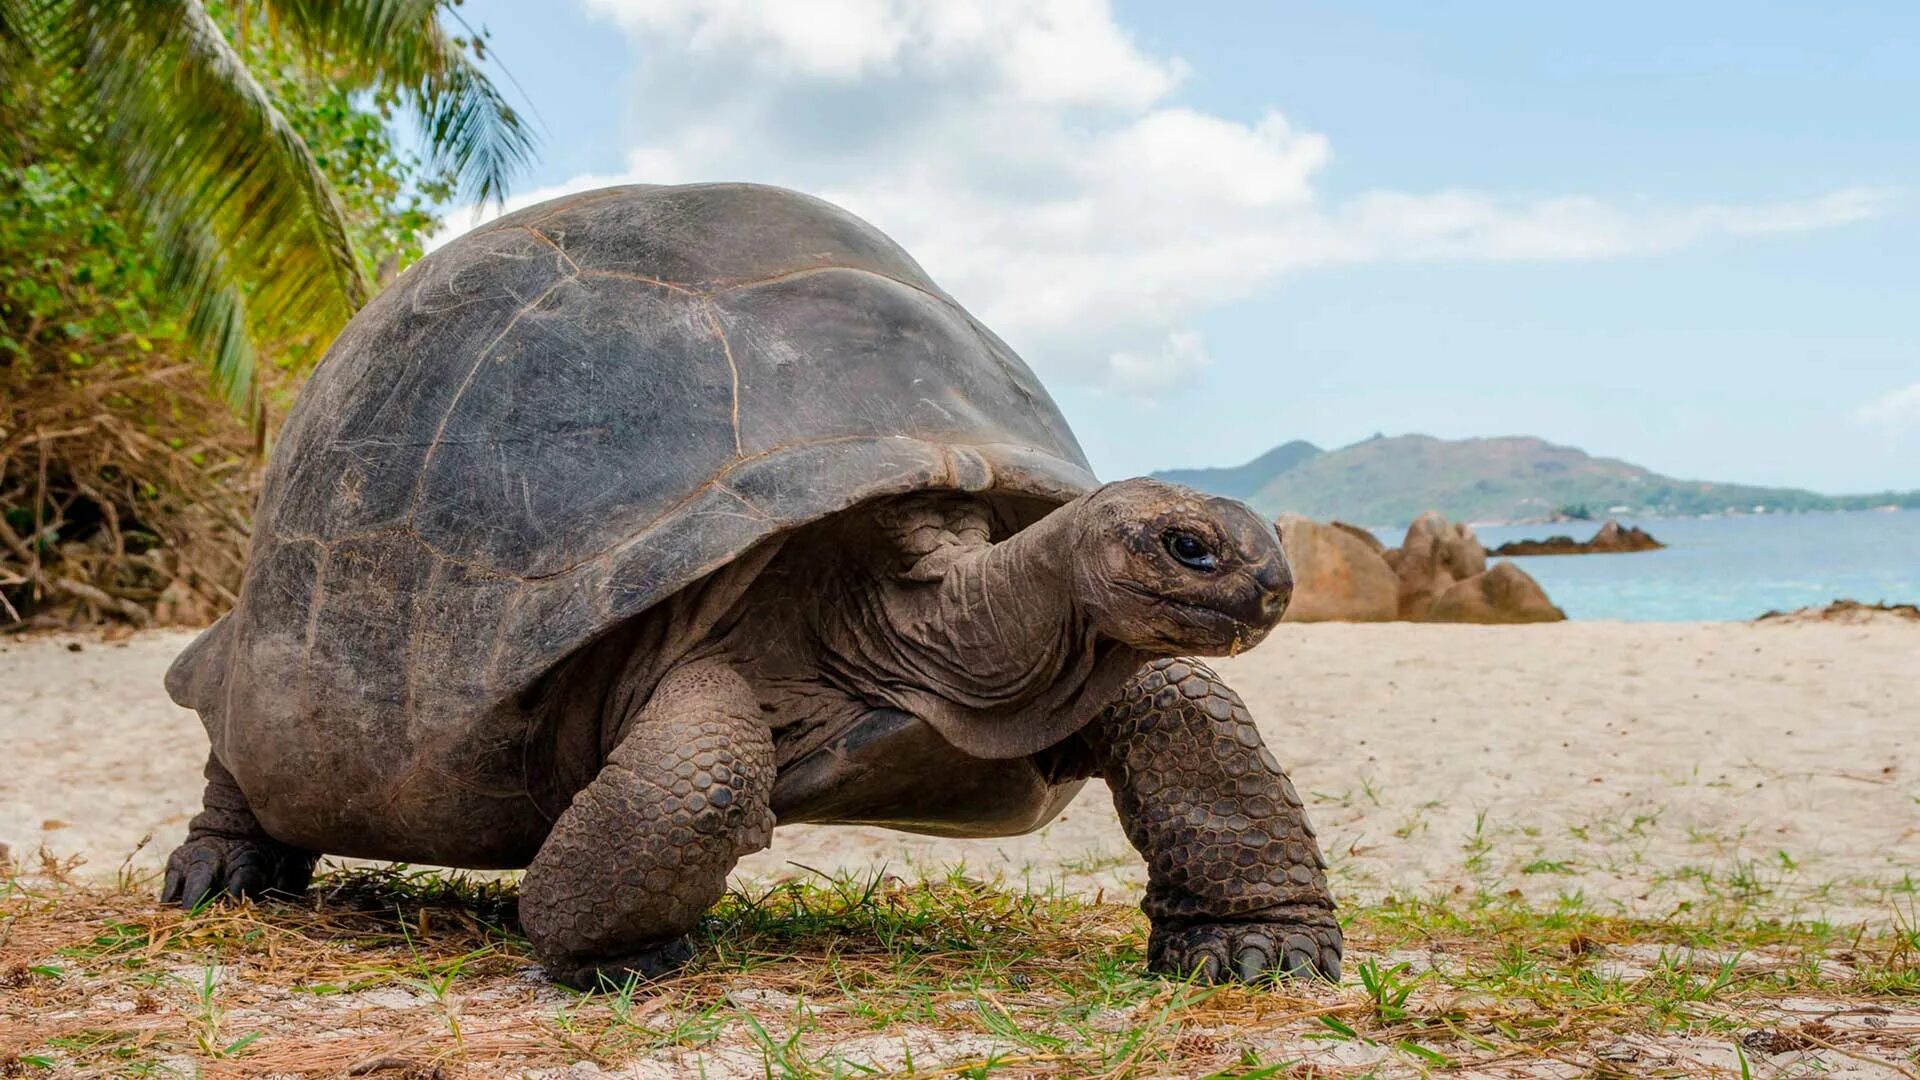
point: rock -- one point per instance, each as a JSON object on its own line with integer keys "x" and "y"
{"x": 1849, "y": 612}
{"x": 1342, "y": 573}
{"x": 1435, "y": 555}
{"x": 1336, "y": 576}
{"x": 1612, "y": 538}
{"x": 1504, "y": 594}
{"x": 1365, "y": 536}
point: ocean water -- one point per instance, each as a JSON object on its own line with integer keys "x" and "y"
{"x": 1728, "y": 567}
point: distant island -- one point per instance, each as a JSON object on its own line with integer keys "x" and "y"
{"x": 1389, "y": 481}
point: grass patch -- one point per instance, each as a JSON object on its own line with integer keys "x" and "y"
{"x": 406, "y": 973}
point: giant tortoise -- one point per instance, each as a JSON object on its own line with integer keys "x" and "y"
{"x": 628, "y": 526}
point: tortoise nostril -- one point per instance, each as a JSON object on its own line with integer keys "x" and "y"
{"x": 1275, "y": 577}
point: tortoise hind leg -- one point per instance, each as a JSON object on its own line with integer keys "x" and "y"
{"x": 645, "y": 849}
{"x": 228, "y": 853}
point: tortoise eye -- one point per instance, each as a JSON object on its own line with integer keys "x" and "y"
{"x": 1190, "y": 550}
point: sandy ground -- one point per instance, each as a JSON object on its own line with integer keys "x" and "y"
{"x": 1638, "y": 765}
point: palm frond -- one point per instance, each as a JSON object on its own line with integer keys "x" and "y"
{"x": 12, "y": 42}
{"x": 204, "y": 157}
{"x": 15, "y": 17}
{"x": 198, "y": 137}
{"x": 249, "y": 233}
{"x": 469, "y": 128}
{"x": 16, "y": 65}
{"x": 216, "y": 311}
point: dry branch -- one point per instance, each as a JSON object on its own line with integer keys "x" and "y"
{"x": 125, "y": 491}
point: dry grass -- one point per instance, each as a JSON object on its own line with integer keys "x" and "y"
{"x": 125, "y": 491}
{"x": 402, "y": 974}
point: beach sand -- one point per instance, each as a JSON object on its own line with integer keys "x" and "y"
{"x": 1640, "y": 765}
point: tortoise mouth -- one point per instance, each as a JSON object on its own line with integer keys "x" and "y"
{"x": 1213, "y": 625}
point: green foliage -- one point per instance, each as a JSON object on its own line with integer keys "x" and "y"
{"x": 246, "y": 146}
{"x": 75, "y": 288}
{"x": 83, "y": 284}
{"x": 125, "y": 482}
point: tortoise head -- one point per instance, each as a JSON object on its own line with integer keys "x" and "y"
{"x": 1170, "y": 570}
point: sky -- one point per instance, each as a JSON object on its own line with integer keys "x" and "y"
{"x": 1687, "y": 236}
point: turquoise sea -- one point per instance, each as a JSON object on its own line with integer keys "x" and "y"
{"x": 1729, "y": 567}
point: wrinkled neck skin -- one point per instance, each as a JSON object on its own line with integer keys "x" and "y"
{"x": 987, "y": 642}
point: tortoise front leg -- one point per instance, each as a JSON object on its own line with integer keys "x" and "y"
{"x": 1236, "y": 887}
{"x": 644, "y": 850}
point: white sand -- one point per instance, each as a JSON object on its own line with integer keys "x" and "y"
{"x": 1642, "y": 764}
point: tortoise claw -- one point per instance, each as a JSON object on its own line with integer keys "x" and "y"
{"x": 1248, "y": 952}
{"x": 611, "y": 973}
{"x": 209, "y": 866}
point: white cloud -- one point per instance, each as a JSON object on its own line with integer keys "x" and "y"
{"x": 1897, "y": 409}
{"x": 1026, "y": 153}
{"x": 1061, "y": 52}
{"x": 1178, "y": 359}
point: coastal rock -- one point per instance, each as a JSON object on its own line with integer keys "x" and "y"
{"x": 1504, "y": 594}
{"x": 1365, "y": 536}
{"x": 1847, "y": 612}
{"x": 1337, "y": 577}
{"x": 1434, "y": 556}
{"x": 1613, "y": 538}
{"x": 1438, "y": 574}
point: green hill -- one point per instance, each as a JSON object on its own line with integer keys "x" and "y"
{"x": 1242, "y": 481}
{"x": 1389, "y": 481}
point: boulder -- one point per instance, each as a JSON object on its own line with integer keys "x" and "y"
{"x": 1504, "y": 594}
{"x": 1365, "y": 536}
{"x": 1337, "y": 577}
{"x": 1435, "y": 554}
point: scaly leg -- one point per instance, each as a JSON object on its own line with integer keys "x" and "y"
{"x": 645, "y": 849}
{"x": 1236, "y": 887}
{"x": 227, "y": 853}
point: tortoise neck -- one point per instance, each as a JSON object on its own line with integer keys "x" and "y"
{"x": 986, "y": 642}
{"x": 1032, "y": 669}
{"x": 1012, "y": 604}
{"x": 981, "y": 624}
{"x": 997, "y": 631}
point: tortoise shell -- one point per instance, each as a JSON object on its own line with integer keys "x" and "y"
{"x": 549, "y": 425}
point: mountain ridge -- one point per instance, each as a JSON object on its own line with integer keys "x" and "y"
{"x": 1390, "y": 480}
{"x": 1241, "y": 481}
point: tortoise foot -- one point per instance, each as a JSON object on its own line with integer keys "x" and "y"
{"x": 210, "y": 866}
{"x": 611, "y": 973}
{"x": 1248, "y": 951}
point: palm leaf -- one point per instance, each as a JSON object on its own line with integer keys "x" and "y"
{"x": 469, "y": 128}
{"x": 14, "y": 17}
{"x": 216, "y": 311}
{"x": 196, "y": 137}
{"x": 243, "y": 220}
{"x": 12, "y": 44}
{"x": 249, "y": 234}
{"x": 16, "y": 64}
